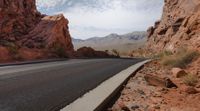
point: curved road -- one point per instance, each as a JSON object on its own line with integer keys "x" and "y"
{"x": 53, "y": 85}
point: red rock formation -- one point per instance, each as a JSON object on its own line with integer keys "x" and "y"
{"x": 23, "y": 27}
{"x": 49, "y": 31}
{"x": 17, "y": 18}
{"x": 179, "y": 26}
{"x": 90, "y": 52}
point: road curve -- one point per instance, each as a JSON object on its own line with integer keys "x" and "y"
{"x": 53, "y": 85}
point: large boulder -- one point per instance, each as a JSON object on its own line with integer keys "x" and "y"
{"x": 179, "y": 26}
{"x": 158, "y": 81}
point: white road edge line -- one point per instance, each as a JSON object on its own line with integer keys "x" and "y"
{"x": 93, "y": 99}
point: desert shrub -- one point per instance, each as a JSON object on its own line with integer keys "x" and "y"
{"x": 181, "y": 59}
{"x": 190, "y": 80}
{"x": 115, "y": 52}
{"x": 6, "y": 43}
{"x": 59, "y": 50}
{"x": 162, "y": 54}
{"x": 18, "y": 57}
{"x": 12, "y": 48}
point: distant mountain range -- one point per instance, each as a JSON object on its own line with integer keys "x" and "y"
{"x": 122, "y": 43}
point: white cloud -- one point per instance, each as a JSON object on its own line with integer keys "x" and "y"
{"x": 90, "y": 18}
{"x": 49, "y": 3}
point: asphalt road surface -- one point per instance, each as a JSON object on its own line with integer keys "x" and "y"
{"x": 53, "y": 85}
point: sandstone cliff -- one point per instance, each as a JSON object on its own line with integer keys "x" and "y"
{"x": 178, "y": 27}
{"x": 27, "y": 34}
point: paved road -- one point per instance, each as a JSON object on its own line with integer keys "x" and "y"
{"x": 51, "y": 86}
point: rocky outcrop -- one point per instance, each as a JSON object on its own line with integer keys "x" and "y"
{"x": 178, "y": 27}
{"x": 23, "y": 28}
{"x": 51, "y": 30}
{"x": 146, "y": 91}
{"x": 91, "y": 53}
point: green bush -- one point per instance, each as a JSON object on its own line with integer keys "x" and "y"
{"x": 190, "y": 80}
{"x": 163, "y": 54}
{"x": 59, "y": 50}
{"x": 13, "y": 49}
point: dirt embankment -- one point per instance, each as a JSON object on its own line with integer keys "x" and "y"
{"x": 155, "y": 88}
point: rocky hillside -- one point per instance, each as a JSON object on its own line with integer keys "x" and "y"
{"x": 172, "y": 81}
{"x": 27, "y": 34}
{"x": 121, "y": 43}
{"x": 178, "y": 27}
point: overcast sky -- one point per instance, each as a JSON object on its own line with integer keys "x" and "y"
{"x": 90, "y": 18}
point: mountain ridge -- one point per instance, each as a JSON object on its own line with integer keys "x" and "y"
{"x": 123, "y": 43}
{"x": 112, "y": 34}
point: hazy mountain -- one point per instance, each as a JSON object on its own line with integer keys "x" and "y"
{"x": 122, "y": 43}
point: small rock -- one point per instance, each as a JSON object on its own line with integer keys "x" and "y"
{"x": 198, "y": 86}
{"x": 157, "y": 106}
{"x": 141, "y": 92}
{"x": 178, "y": 72}
{"x": 125, "y": 108}
{"x": 127, "y": 87}
{"x": 134, "y": 107}
{"x": 169, "y": 83}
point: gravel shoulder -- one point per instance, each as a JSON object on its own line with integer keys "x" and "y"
{"x": 140, "y": 95}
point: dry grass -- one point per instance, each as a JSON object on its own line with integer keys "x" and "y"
{"x": 163, "y": 54}
{"x": 141, "y": 52}
{"x": 190, "y": 80}
{"x": 180, "y": 59}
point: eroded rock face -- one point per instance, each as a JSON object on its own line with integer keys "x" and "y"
{"x": 51, "y": 30}
{"x": 179, "y": 26}
{"x": 24, "y": 27}
{"x": 17, "y": 18}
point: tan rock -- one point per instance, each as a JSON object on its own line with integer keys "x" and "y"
{"x": 125, "y": 108}
{"x": 157, "y": 81}
{"x": 178, "y": 72}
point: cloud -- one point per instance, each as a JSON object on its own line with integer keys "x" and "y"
{"x": 49, "y": 3}
{"x": 101, "y": 17}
